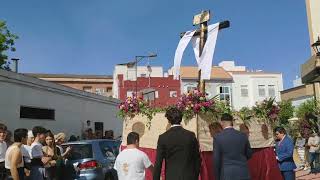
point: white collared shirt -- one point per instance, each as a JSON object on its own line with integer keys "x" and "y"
{"x": 176, "y": 125}
{"x": 3, "y": 149}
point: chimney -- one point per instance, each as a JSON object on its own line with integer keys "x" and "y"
{"x": 15, "y": 64}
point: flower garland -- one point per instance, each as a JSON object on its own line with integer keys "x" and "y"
{"x": 193, "y": 103}
{"x": 133, "y": 106}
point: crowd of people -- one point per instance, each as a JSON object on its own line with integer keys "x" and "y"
{"x": 34, "y": 154}
{"x": 38, "y": 154}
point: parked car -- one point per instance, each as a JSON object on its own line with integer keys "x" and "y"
{"x": 94, "y": 159}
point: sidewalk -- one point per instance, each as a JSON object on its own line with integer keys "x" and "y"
{"x": 303, "y": 175}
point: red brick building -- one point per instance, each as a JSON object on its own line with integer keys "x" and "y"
{"x": 161, "y": 91}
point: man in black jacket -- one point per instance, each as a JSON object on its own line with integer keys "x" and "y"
{"x": 231, "y": 150}
{"x": 180, "y": 150}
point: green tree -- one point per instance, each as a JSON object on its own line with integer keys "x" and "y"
{"x": 6, "y": 43}
{"x": 286, "y": 112}
{"x": 306, "y": 108}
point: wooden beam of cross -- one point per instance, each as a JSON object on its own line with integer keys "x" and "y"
{"x": 202, "y": 20}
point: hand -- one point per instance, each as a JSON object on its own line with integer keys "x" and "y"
{"x": 68, "y": 149}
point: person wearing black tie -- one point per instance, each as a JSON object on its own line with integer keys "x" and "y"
{"x": 231, "y": 151}
{"x": 179, "y": 149}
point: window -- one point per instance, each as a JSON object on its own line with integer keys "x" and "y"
{"x": 262, "y": 90}
{"x": 36, "y": 113}
{"x": 79, "y": 151}
{"x": 87, "y": 88}
{"x": 100, "y": 91}
{"x": 271, "y": 91}
{"x": 108, "y": 149}
{"x": 129, "y": 93}
{"x": 244, "y": 91}
{"x": 191, "y": 88}
{"x": 173, "y": 94}
{"x": 224, "y": 92}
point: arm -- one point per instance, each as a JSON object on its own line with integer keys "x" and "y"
{"x": 159, "y": 159}
{"x": 249, "y": 151}
{"x": 197, "y": 155}
{"x": 16, "y": 158}
{"x": 216, "y": 159}
{"x": 288, "y": 153}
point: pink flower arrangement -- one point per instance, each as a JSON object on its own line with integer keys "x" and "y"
{"x": 193, "y": 103}
{"x": 131, "y": 106}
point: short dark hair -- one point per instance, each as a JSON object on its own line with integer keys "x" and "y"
{"x": 280, "y": 130}
{"x": 132, "y": 138}
{"x": 226, "y": 117}
{"x": 3, "y": 128}
{"x": 19, "y": 134}
{"x": 38, "y": 130}
{"x": 88, "y": 121}
{"x": 174, "y": 115}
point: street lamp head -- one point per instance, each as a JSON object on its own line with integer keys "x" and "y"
{"x": 316, "y": 47}
{"x": 151, "y": 55}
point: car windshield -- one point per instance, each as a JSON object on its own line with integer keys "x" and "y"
{"x": 80, "y": 151}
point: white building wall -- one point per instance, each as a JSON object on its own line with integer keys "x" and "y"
{"x": 253, "y": 80}
{"x": 72, "y": 107}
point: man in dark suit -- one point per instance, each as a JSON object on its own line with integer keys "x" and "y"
{"x": 180, "y": 150}
{"x": 231, "y": 150}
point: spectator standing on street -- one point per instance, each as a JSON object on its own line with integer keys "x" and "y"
{"x": 14, "y": 158}
{"x": 3, "y": 149}
{"x": 26, "y": 151}
{"x": 131, "y": 162}
{"x": 37, "y": 158}
{"x": 313, "y": 143}
{"x": 50, "y": 150}
{"x": 85, "y": 127}
{"x": 284, "y": 150}
{"x": 300, "y": 145}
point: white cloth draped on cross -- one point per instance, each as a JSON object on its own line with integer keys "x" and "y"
{"x": 205, "y": 60}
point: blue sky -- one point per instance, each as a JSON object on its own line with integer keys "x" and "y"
{"x": 91, "y": 36}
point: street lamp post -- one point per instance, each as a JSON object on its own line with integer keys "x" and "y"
{"x": 137, "y": 60}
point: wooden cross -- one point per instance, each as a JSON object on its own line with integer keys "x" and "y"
{"x": 202, "y": 20}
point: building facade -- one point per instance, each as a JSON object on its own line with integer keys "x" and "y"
{"x": 98, "y": 84}
{"x": 313, "y": 14}
{"x": 26, "y": 101}
{"x": 249, "y": 87}
{"x": 159, "y": 91}
{"x": 218, "y": 87}
{"x": 131, "y": 73}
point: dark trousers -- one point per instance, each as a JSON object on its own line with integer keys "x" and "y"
{"x": 312, "y": 158}
{"x": 3, "y": 171}
{"x": 288, "y": 175}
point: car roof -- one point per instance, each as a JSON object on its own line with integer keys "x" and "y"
{"x": 92, "y": 141}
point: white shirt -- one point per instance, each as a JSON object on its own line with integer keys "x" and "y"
{"x": 9, "y": 156}
{"x": 131, "y": 164}
{"x": 314, "y": 141}
{"x": 3, "y": 149}
{"x": 26, "y": 151}
{"x": 36, "y": 150}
